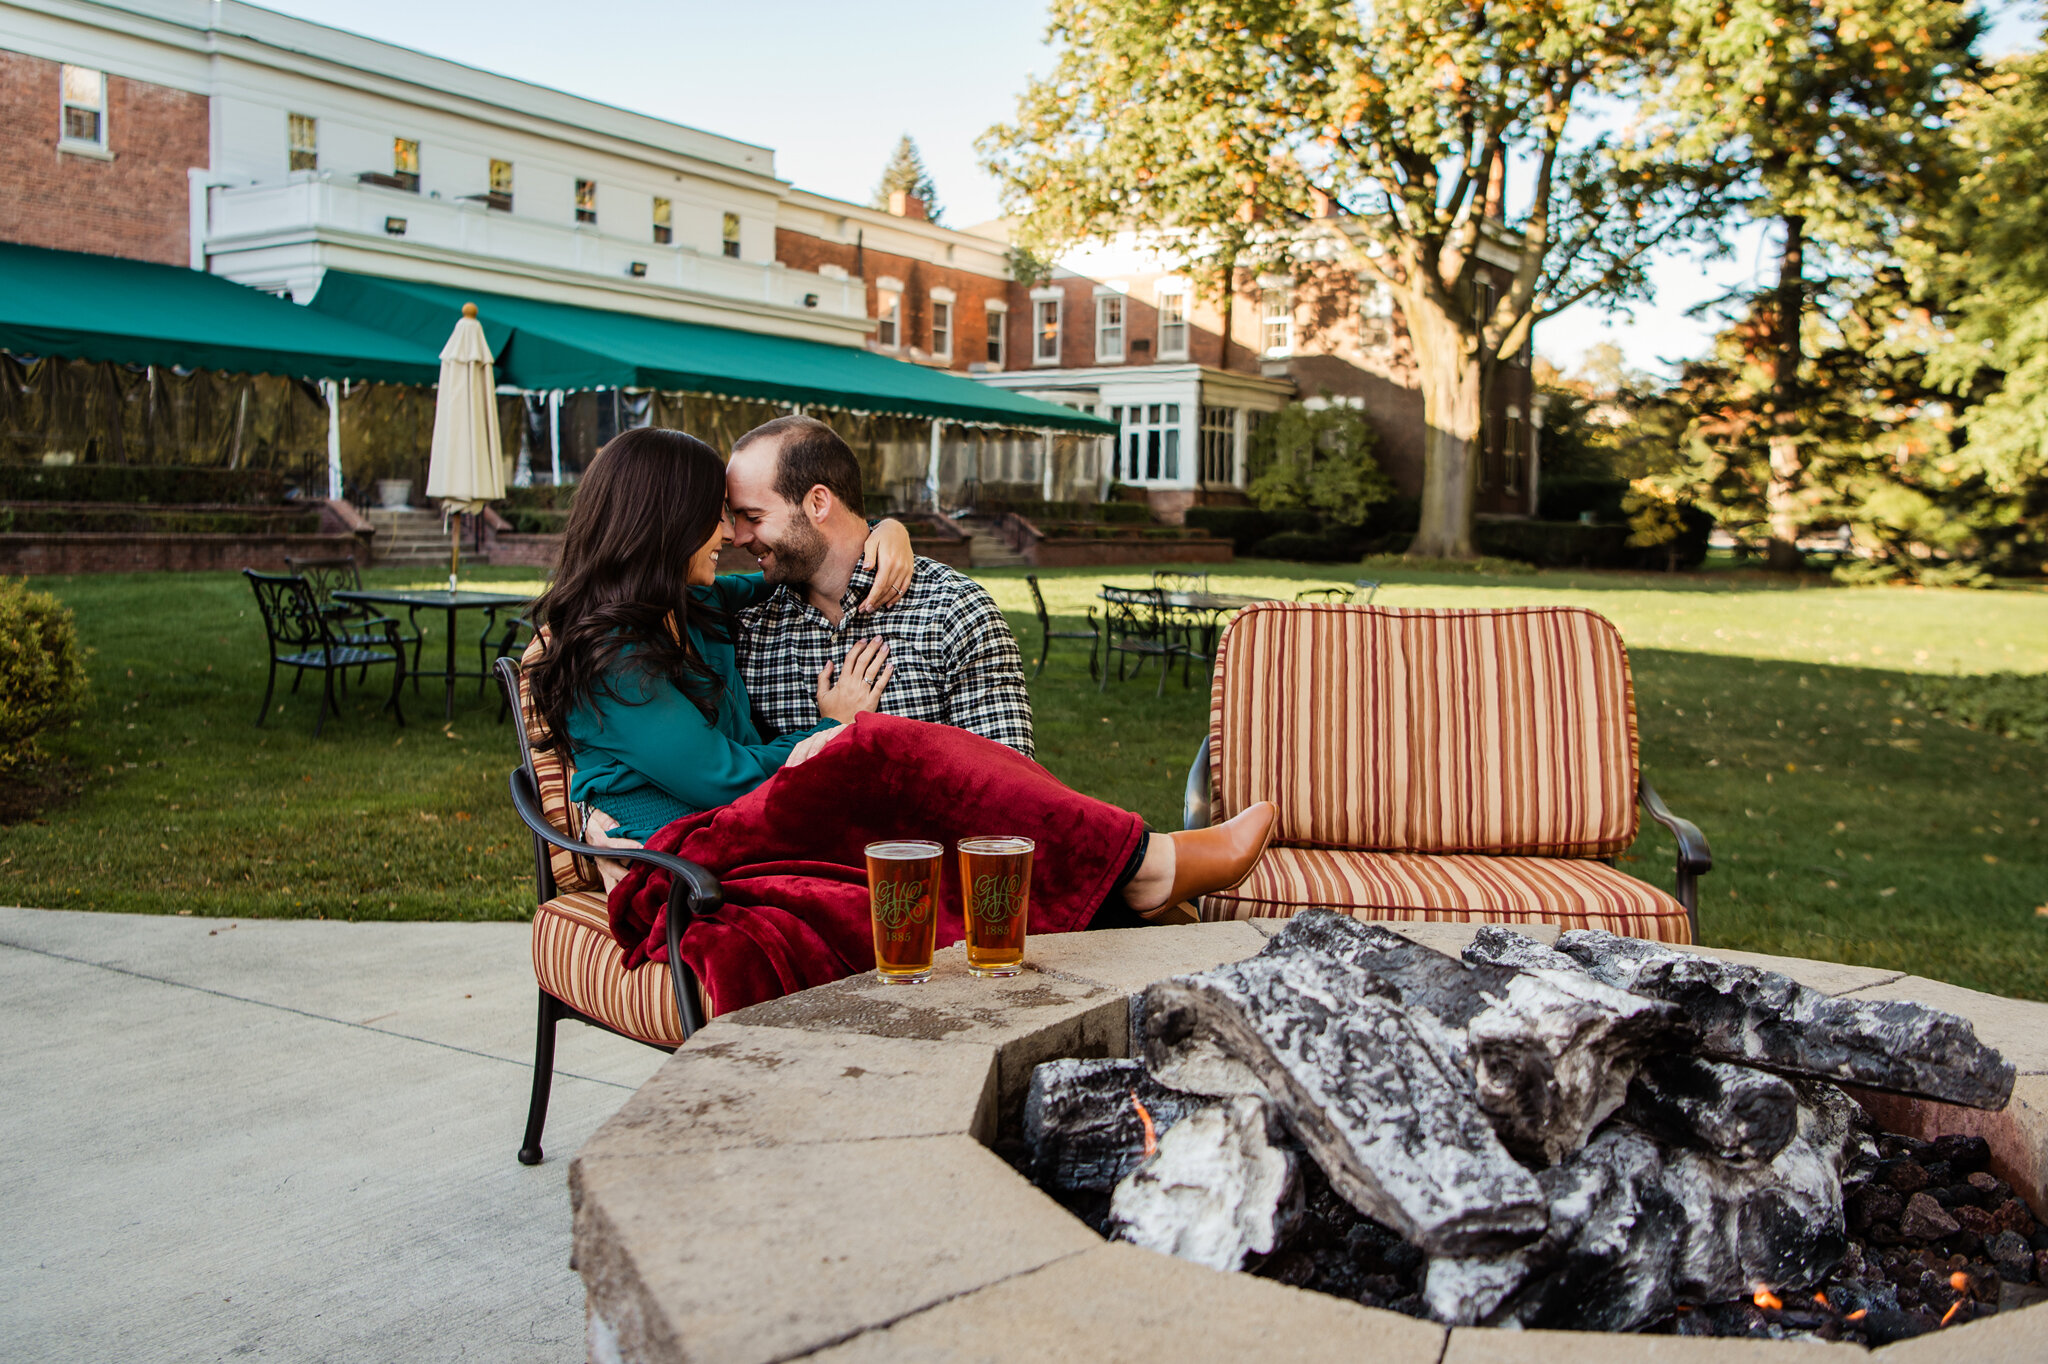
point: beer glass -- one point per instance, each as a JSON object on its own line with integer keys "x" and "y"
{"x": 995, "y": 885}
{"x": 903, "y": 888}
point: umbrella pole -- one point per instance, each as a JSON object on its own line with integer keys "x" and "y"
{"x": 454, "y": 547}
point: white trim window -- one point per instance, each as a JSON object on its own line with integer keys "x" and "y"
{"x": 1276, "y": 322}
{"x": 729, "y": 235}
{"x": 942, "y": 300}
{"x": 1149, "y": 448}
{"x": 586, "y": 202}
{"x": 998, "y": 342}
{"x": 664, "y": 221}
{"x": 888, "y": 313}
{"x": 1109, "y": 328}
{"x": 1173, "y": 322}
{"x": 82, "y": 112}
{"x": 405, "y": 162}
{"x": 1219, "y": 445}
{"x": 302, "y": 132}
{"x": 1045, "y": 328}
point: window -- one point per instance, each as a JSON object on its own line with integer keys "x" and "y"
{"x": 942, "y": 329}
{"x": 664, "y": 221}
{"x": 1172, "y": 433}
{"x": 84, "y": 105}
{"x": 1045, "y": 331}
{"x": 998, "y": 318}
{"x": 1512, "y": 454}
{"x": 1173, "y": 325}
{"x": 889, "y": 316}
{"x": 1219, "y": 445}
{"x": 305, "y": 141}
{"x": 1375, "y": 313}
{"x": 1276, "y": 321}
{"x": 731, "y": 237}
{"x": 1149, "y": 448}
{"x": 1109, "y": 328}
{"x": 500, "y": 197}
{"x": 586, "y": 201}
{"x": 405, "y": 163}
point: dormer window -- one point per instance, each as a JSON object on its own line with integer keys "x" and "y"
{"x": 586, "y": 201}
{"x": 83, "y": 114}
{"x": 405, "y": 163}
{"x": 304, "y": 133}
{"x": 730, "y": 236}
{"x": 664, "y": 222}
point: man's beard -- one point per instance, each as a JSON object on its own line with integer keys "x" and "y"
{"x": 797, "y": 556}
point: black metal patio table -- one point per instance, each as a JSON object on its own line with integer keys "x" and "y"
{"x": 1214, "y": 605}
{"x": 441, "y": 599}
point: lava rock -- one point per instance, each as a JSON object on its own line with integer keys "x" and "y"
{"x": 1873, "y": 1204}
{"x": 1736, "y": 1112}
{"x": 1904, "y": 1174}
{"x": 2014, "y": 1215}
{"x": 1974, "y": 1219}
{"x": 2012, "y": 1256}
{"x": 1965, "y": 1155}
{"x": 1757, "y": 1017}
{"x": 1885, "y": 1326}
{"x": 1926, "y": 1220}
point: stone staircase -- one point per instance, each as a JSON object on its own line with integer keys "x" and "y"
{"x": 411, "y": 536}
{"x": 990, "y": 549}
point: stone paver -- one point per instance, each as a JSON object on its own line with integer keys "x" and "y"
{"x": 1130, "y": 959}
{"x": 1120, "y": 1303}
{"x": 732, "y": 1085}
{"x": 2009, "y": 1338}
{"x": 753, "y": 1254}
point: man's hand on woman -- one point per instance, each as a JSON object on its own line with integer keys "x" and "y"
{"x": 888, "y": 552}
{"x": 862, "y": 678}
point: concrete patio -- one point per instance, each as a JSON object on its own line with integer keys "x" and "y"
{"x": 286, "y": 1140}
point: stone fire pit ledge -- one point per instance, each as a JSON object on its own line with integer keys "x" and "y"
{"x": 808, "y": 1179}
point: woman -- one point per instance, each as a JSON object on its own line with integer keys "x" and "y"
{"x": 638, "y": 678}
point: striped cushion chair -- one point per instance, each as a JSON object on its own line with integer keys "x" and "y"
{"x": 578, "y": 964}
{"x": 1462, "y": 766}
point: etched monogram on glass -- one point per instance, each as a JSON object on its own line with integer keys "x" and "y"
{"x": 995, "y": 883}
{"x": 903, "y": 883}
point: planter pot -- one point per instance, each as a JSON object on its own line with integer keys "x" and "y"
{"x": 394, "y": 493}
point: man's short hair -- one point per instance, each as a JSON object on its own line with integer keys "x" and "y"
{"x": 809, "y": 453}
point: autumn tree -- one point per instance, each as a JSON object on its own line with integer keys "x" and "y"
{"x": 1410, "y": 141}
{"x": 1834, "y": 113}
{"x": 906, "y": 174}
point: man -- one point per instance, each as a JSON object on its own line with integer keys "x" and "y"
{"x": 795, "y": 493}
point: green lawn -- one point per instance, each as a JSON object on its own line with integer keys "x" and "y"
{"x": 1846, "y": 824}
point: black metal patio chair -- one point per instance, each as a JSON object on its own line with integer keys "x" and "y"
{"x": 303, "y": 637}
{"x": 1137, "y": 625}
{"x": 1174, "y": 580}
{"x": 361, "y": 625}
{"x": 511, "y": 642}
{"x": 1092, "y": 634}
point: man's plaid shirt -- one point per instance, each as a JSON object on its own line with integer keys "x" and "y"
{"x": 956, "y": 661}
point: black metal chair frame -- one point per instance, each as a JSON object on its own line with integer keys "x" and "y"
{"x": 1093, "y": 634}
{"x": 302, "y": 636}
{"x": 693, "y": 891}
{"x": 1342, "y": 596}
{"x": 509, "y": 645}
{"x": 356, "y": 619}
{"x": 1173, "y": 580}
{"x": 1135, "y": 624}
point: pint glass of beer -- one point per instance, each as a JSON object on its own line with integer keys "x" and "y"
{"x": 903, "y": 890}
{"x": 995, "y": 884}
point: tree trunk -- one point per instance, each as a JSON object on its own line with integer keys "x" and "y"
{"x": 1781, "y": 498}
{"x": 1452, "y": 400}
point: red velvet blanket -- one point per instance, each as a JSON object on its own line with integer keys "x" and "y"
{"x": 789, "y": 854}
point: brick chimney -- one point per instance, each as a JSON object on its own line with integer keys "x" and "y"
{"x": 904, "y": 204}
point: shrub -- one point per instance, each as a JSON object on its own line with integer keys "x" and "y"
{"x": 1506, "y": 568}
{"x": 1320, "y": 459}
{"x": 1321, "y": 547}
{"x": 530, "y": 521}
{"x": 34, "y": 520}
{"x": 42, "y": 670}
{"x": 1566, "y": 497}
{"x": 1245, "y": 527}
{"x": 540, "y": 497}
{"x": 1552, "y": 544}
{"x": 2012, "y": 704}
{"x": 164, "y": 484}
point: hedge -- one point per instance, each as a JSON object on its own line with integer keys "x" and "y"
{"x": 1245, "y": 527}
{"x": 1110, "y": 512}
{"x": 1566, "y": 497}
{"x": 157, "y": 483}
{"x": 1316, "y": 547}
{"x": 1553, "y": 544}
{"x": 34, "y": 520}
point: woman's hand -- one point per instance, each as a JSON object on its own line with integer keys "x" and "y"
{"x": 888, "y": 553}
{"x": 597, "y": 832}
{"x": 808, "y": 748}
{"x": 862, "y": 677}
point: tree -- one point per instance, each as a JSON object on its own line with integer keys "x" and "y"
{"x": 1833, "y": 110}
{"x": 1229, "y": 130}
{"x": 1322, "y": 459}
{"x": 905, "y": 173}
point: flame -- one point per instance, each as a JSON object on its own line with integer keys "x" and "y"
{"x": 1857, "y": 1315}
{"x": 1950, "y": 1315}
{"x": 1767, "y": 1299}
{"x": 1822, "y": 1299}
{"x": 1960, "y": 1281}
{"x": 1145, "y": 1117}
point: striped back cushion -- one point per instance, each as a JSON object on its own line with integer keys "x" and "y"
{"x": 1507, "y": 731}
{"x": 551, "y": 774}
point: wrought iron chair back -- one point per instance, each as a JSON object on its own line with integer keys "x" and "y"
{"x": 326, "y": 576}
{"x": 302, "y": 636}
{"x": 1172, "y": 580}
{"x": 1136, "y": 624}
{"x": 360, "y": 624}
{"x": 1092, "y": 634}
{"x": 292, "y": 618}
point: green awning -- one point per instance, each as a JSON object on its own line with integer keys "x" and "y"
{"x": 542, "y": 346}
{"x": 102, "y": 308}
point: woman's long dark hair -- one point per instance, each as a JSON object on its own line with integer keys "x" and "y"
{"x": 647, "y": 503}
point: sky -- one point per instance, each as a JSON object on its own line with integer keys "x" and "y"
{"x": 831, "y": 85}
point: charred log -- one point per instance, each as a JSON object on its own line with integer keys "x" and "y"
{"x": 1082, "y": 1127}
{"x": 1550, "y": 1053}
{"x": 1372, "y": 1090}
{"x": 1732, "y": 1112}
{"x": 1219, "y": 1190}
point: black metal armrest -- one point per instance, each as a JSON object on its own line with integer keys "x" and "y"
{"x": 1195, "y": 802}
{"x": 692, "y": 890}
{"x": 1695, "y": 858}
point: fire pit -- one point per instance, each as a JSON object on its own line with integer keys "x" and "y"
{"x": 815, "y": 1177}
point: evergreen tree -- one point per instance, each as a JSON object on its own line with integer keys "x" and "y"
{"x": 906, "y": 173}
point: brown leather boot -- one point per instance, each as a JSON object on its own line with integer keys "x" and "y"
{"x": 1217, "y": 858}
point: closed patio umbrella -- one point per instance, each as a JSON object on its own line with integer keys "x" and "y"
{"x": 464, "y": 470}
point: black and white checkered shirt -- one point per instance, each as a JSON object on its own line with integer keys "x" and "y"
{"x": 956, "y": 661}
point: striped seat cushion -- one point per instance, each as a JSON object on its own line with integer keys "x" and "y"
{"x": 576, "y": 959}
{"x": 1509, "y": 731}
{"x": 1568, "y": 891}
{"x": 551, "y": 774}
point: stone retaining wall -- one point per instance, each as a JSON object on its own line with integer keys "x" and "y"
{"x": 109, "y": 553}
{"x": 808, "y": 1179}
